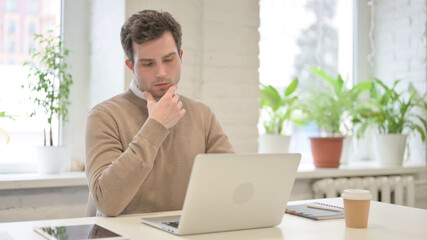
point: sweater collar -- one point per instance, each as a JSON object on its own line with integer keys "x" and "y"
{"x": 134, "y": 88}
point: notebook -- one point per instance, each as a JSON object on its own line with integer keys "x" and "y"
{"x": 325, "y": 206}
{"x": 315, "y": 213}
{"x": 232, "y": 192}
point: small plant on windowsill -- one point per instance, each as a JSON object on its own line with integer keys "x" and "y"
{"x": 278, "y": 110}
{"x": 49, "y": 82}
{"x": 332, "y": 109}
{"x": 394, "y": 114}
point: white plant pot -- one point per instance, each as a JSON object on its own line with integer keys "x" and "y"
{"x": 273, "y": 143}
{"x": 50, "y": 159}
{"x": 364, "y": 147}
{"x": 347, "y": 148}
{"x": 390, "y": 149}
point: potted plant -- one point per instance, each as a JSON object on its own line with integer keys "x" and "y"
{"x": 50, "y": 83}
{"x": 394, "y": 115}
{"x": 277, "y": 111}
{"x": 331, "y": 109}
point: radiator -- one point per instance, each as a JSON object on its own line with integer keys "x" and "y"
{"x": 389, "y": 189}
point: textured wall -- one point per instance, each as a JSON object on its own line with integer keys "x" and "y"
{"x": 106, "y": 54}
{"x": 400, "y": 41}
{"x": 220, "y": 62}
{"x": 42, "y": 203}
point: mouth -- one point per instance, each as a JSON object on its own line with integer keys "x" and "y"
{"x": 162, "y": 85}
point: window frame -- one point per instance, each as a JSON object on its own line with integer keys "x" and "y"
{"x": 351, "y": 77}
{"x": 29, "y": 166}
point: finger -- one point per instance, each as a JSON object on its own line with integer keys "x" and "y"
{"x": 179, "y": 105}
{"x": 149, "y": 97}
{"x": 170, "y": 92}
{"x": 175, "y": 98}
{"x": 181, "y": 113}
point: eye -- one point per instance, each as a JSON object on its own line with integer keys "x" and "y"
{"x": 168, "y": 59}
{"x": 147, "y": 64}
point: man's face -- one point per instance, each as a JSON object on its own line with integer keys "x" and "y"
{"x": 157, "y": 65}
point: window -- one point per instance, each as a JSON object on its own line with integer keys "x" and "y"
{"x": 32, "y": 8}
{"x": 24, "y": 132}
{"x": 297, "y": 34}
{"x": 31, "y": 46}
{"x": 10, "y": 46}
{"x": 11, "y": 5}
{"x": 31, "y": 29}
{"x": 11, "y": 27}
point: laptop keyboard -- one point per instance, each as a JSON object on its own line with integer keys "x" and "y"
{"x": 172, "y": 224}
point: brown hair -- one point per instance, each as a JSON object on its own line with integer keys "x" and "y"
{"x": 148, "y": 25}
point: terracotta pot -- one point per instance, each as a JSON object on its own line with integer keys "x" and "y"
{"x": 326, "y": 151}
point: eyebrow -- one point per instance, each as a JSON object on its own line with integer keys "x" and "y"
{"x": 150, "y": 59}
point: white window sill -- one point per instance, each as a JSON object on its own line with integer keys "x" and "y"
{"x": 362, "y": 168}
{"x": 305, "y": 171}
{"x": 34, "y": 180}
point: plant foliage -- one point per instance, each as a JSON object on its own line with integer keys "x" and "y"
{"x": 49, "y": 80}
{"x": 279, "y": 107}
{"x": 333, "y": 108}
{"x": 394, "y": 112}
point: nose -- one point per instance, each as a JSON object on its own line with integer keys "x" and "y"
{"x": 160, "y": 71}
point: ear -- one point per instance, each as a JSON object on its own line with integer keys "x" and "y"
{"x": 181, "y": 53}
{"x": 129, "y": 64}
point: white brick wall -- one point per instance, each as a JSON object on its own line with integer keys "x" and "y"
{"x": 400, "y": 41}
{"x": 401, "y": 51}
{"x": 220, "y": 62}
{"x": 106, "y": 53}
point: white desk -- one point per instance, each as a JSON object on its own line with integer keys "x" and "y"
{"x": 386, "y": 221}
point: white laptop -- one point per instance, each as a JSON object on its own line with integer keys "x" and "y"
{"x": 233, "y": 192}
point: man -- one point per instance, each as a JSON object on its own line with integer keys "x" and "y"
{"x": 141, "y": 144}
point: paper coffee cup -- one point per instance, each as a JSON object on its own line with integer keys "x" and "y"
{"x": 356, "y": 207}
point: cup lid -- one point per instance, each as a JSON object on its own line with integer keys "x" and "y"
{"x": 357, "y": 194}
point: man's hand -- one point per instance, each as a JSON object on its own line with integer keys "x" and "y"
{"x": 168, "y": 110}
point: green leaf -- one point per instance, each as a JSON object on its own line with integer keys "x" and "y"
{"x": 423, "y": 121}
{"x": 323, "y": 75}
{"x": 421, "y": 132}
{"x": 48, "y": 77}
{"x": 270, "y": 97}
{"x": 362, "y": 86}
{"x": 278, "y": 108}
{"x": 382, "y": 84}
{"x": 292, "y": 87}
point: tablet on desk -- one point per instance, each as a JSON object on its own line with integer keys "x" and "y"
{"x": 74, "y": 232}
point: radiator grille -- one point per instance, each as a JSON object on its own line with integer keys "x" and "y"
{"x": 389, "y": 189}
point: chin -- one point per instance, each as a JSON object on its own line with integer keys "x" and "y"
{"x": 158, "y": 95}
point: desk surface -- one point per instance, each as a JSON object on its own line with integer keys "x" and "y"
{"x": 386, "y": 221}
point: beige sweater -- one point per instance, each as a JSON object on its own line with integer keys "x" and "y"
{"x": 136, "y": 165}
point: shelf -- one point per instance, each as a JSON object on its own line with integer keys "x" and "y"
{"x": 34, "y": 180}
{"x": 305, "y": 171}
{"x": 308, "y": 171}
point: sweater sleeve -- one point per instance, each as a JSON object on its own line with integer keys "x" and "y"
{"x": 217, "y": 141}
{"x": 115, "y": 174}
